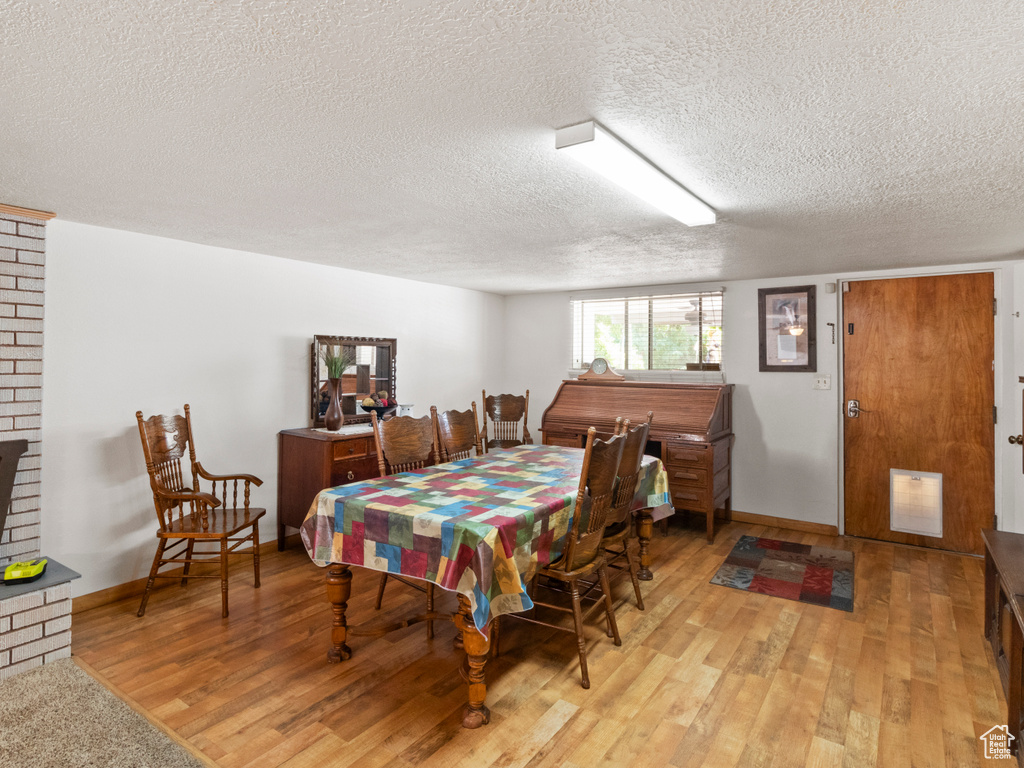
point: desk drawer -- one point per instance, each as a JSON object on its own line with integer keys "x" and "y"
{"x": 687, "y": 454}
{"x": 695, "y": 499}
{"x": 350, "y": 449}
{"x": 679, "y": 477}
{"x": 561, "y": 438}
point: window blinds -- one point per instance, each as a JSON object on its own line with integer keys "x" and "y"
{"x": 649, "y": 333}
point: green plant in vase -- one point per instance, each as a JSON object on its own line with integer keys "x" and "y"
{"x": 337, "y": 360}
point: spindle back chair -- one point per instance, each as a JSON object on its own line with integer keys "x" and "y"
{"x": 505, "y": 413}
{"x": 582, "y": 556}
{"x": 405, "y": 443}
{"x": 619, "y": 530}
{"x": 457, "y": 433}
{"x": 629, "y": 469}
{"x": 187, "y": 514}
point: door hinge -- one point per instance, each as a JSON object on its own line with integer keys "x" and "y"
{"x": 995, "y": 306}
{"x": 995, "y": 415}
{"x": 995, "y": 522}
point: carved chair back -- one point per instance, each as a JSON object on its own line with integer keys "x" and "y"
{"x": 593, "y": 500}
{"x": 404, "y": 443}
{"x": 165, "y": 440}
{"x": 629, "y": 469}
{"x": 505, "y": 413}
{"x": 457, "y": 433}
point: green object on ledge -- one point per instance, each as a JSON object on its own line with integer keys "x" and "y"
{"x": 24, "y": 572}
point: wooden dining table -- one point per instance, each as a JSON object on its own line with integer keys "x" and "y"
{"x": 480, "y": 527}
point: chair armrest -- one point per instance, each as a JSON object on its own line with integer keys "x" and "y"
{"x": 200, "y": 496}
{"x": 207, "y": 476}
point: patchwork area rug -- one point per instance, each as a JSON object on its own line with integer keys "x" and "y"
{"x": 816, "y": 575}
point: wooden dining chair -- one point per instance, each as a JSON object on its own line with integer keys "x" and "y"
{"x": 618, "y": 533}
{"x": 405, "y": 443}
{"x": 457, "y": 433}
{"x": 190, "y": 516}
{"x": 583, "y": 557}
{"x": 505, "y": 413}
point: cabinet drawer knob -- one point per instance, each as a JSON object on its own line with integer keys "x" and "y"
{"x": 351, "y": 450}
{"x": 351, "y": 475}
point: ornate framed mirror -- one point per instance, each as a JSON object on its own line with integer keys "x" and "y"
{"x": 373, "y": 371}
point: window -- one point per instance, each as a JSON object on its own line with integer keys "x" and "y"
{"x": 649, "y": 333}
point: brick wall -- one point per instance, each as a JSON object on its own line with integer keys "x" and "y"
{"x": 22, "y": 259}
{"x": 35, "y": 629}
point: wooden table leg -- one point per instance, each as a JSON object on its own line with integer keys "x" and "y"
{"x": 644, "y": 529}
{"x": 339, "y": 588}
{"x": 478, "y": 647}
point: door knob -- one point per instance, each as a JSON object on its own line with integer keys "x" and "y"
{"x": 1019, "y": 440}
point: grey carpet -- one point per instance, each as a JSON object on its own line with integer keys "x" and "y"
{"x": 58, "y": 716}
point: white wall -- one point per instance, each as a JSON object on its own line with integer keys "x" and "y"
{"x": 135, "y": 322}
{"x": 786, "y": 454}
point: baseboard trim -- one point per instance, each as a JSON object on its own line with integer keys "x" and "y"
{"x": 783, "y": 522}
{"x": 107, "y": 596}
{"x": 138, "y": 586}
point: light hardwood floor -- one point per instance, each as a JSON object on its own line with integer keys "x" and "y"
{"x": 706, "y": 676}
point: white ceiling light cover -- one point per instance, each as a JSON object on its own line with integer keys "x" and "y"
{"x": 590, "y": 144}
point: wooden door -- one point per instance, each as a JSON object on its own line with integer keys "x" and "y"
{"x": 918, "y": 356}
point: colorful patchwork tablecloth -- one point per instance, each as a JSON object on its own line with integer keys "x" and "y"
{"x": 480, "y": 527}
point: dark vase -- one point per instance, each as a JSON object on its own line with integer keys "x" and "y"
{"x": 334, "y": 418}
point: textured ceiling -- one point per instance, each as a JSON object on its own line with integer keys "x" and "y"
{"x": 417, "y": 138}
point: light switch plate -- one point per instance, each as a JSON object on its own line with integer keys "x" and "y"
{"x": 823, "y": 382}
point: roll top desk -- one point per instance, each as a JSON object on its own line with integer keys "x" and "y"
{"x": 691, "y": 432}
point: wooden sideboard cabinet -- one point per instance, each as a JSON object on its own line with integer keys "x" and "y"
{"x": 309, "y": 461}
{"x": 1004, "y": 622}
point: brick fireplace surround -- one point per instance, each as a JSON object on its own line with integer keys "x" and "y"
{"x": 35, "y": 627}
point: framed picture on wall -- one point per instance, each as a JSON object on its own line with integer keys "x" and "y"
{"x": 787, "y": 328}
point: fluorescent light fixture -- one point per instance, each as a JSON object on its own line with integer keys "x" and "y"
{"x": 597, "y": 149}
